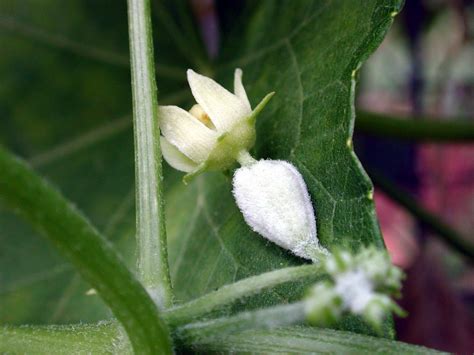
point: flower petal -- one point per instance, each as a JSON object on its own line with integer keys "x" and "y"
{"x": 175, "y": 158}
{"x": 239, "y": 89}
{"x": 186, "y": 133}
{"x": 223, "y": 107}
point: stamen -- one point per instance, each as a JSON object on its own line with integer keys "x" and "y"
{"x": 202, "y": 116}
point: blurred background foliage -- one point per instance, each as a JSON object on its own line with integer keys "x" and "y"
{"x": 424, "y": 67}
{"x": 61, "y": 79}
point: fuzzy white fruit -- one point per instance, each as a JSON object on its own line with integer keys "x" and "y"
{"x": 275, "y": 203}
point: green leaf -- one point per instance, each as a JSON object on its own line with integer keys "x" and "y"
{"x": 63, "y": 111}
{"x": 309, "y": 57}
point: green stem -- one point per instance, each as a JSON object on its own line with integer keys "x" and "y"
{"x": 420, "y": 129}
{"x": 433, "y": 222}
{"x": 151, "y": 233}
{"x": 244, "y": 288}
{"x": 102, "y": 338}
{"x": 267, "y": 318}
{"x": 304, "y": 340}
{"x": 94, "y": 258}
{"x": 245, "y": 159}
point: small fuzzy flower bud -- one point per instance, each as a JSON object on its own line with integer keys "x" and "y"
{"x": 323, "y": 306}
{"x": 275, "y": 203}
{"x": 339, "y": 262}
{"x": 379, "y": 268}
{"x": 363, "y": 284}
{"x": 355, "y": 288}
{"x": 375, "y": 309}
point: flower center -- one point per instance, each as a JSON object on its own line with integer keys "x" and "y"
{"x": 202, "y": 116}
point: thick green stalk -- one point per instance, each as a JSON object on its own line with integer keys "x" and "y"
{"x": 431, "y": 221}
{"x": 151, "y": 233}
{"x": 102, "y": 338}
{"x": 420, "y": 129}
{"x": 244, "y": 288}
{"x": 94, "y": 258}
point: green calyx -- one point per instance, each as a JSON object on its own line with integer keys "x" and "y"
{"x": 232, "y": 144}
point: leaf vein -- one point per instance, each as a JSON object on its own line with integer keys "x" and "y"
{"x": 296, "y": 66}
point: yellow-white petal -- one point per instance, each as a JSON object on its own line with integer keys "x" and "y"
{"x": 175, "y": 158}
{"x": 185, "y": 132}
{"x": 223, "y": 107}
{"x": 239, "y": 89}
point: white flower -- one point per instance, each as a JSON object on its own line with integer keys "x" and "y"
{"x": 219, "y": 130}
{"x": 214, "y": 132}
{"x": 275, "y": 203}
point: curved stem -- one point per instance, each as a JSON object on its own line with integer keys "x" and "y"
{"x": 420, "y": 129}
{"x": 151, "y": 231}
{"x": 433, "y": 222}
{"x": 92, "y": 255}
{"x": 244, "y": 288}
